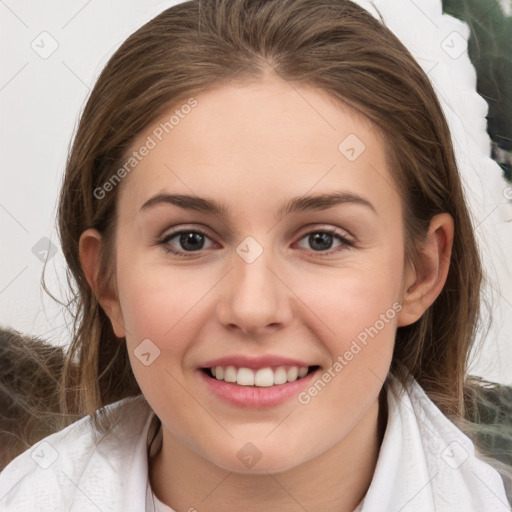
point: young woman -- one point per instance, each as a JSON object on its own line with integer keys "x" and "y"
{"x": 276, "y": 274}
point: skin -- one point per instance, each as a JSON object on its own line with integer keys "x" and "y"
{"x": 253, "y": 147}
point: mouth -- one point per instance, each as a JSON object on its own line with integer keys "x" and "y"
{"x": 262, "y": 377}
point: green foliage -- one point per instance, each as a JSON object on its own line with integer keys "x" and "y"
{"x": 490, "y": 51}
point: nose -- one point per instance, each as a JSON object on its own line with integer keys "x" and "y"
{"x": 254, "y": 298}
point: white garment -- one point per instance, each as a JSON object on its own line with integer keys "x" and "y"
{"x": 425, "y": 464}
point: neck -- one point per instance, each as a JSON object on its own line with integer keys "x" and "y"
{"x": 335, "y": 481}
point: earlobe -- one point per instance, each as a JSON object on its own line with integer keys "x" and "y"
{"x": 424, "y": 284}
{"x": 89, "y": 253}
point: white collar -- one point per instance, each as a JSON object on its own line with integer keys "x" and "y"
{"x": 425, "y": 463}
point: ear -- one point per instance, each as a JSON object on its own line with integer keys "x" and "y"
{"x": 89, "y": 253}
{"x": 424, "y": 283}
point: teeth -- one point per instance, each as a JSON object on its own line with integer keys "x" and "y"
{"x": 230, "y": 374}
{"x": 292, "y": 374}
{"x": 264, "y": 377}
{"x": 244, "y": 377}
{"x": 280, "y": 376}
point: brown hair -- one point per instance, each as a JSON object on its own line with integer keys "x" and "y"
{"x": 333, "y": 45}
{"x": 30, "y": 370}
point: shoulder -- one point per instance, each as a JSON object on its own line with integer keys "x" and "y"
{"x": 459, "y": 478}
{"x": 77, "y": 464}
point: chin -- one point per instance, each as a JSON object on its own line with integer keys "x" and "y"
{"x": 250, "y": 461}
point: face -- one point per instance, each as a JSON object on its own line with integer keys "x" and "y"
{"x": 259, "y": 284}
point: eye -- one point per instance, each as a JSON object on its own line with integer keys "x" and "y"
{"x": 188, "y": 240}
{"x": 322, "y": 240}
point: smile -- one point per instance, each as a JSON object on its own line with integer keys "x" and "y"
{"x": 265, "y": 387}
{"x": 263, "y": 377}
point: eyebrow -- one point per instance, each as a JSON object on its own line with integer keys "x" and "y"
{"x": 297, "y": 204}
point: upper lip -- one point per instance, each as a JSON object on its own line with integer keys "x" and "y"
{"x": 254, "y": 363}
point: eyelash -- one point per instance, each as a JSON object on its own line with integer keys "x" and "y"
{"x": 184, "y": 254}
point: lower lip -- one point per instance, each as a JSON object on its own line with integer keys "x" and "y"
{"x": 254, "y": 396}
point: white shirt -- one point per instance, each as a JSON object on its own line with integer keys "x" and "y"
{"x": 425, "y": 464}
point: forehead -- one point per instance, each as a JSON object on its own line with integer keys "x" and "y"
{"x": 257, "y": 143}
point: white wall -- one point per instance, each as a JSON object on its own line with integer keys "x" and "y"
{"x": 41, "y": 96}
{"x": 51, "y": 53}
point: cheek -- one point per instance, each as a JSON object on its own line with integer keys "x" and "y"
{"x": 357, "y": 316}
{"x": 165, "y": 304}
{"x": 161, "y": 307}
{"x": 348, "y": 301}
{"x": 153, "y": 296}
